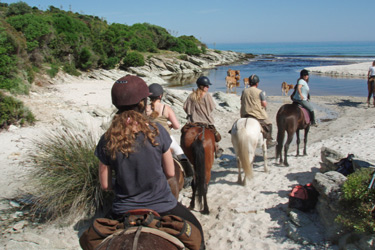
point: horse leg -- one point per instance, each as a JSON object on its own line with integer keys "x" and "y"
{"x": 286, "y": 148}
{"x": 264, "y": 149}
{"x": 305, "y": 140}
{"x": 298, "y": 141}
{"x": 205, "y": 209}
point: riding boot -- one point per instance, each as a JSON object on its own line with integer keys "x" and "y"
{"x": 270, "y": 141}
{"x": 218, "y": 151}
{"x": 312, "y": 118}
{"x": 186, "y": 165}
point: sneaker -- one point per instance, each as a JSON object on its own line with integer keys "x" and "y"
{"x": 219, "y": 153}
{"x": 314, "y": 125}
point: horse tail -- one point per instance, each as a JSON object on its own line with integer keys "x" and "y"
{"x": 200, "y": 167}
{"x": 244, "y": 151}
{"x": 280, "y": 120}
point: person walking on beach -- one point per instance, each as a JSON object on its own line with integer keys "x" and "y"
{"x": 199, "y": 107}
{"x": 371, "y": 83}
{"x": 254, "y": 104}
{"x": 301, "y": 95}
{"x": 138, "y": 151}
{"x": 165, "y": 116}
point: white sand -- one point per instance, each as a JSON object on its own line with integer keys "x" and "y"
{"x": 251, "y": 217}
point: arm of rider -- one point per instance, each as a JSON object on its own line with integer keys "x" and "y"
{"x": 172, "y": 118}
{"x": 300, "y": 92}
{"x": 168, "y": 165}
{"x": 264, "y": 104}
{"x": 105, "y": 177}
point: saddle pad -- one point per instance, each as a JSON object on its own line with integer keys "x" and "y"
{"x": 306, "y": 114}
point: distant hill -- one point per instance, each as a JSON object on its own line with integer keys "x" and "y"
{"x": 33, "y": 41}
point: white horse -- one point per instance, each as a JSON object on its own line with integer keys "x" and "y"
{"x": 246, "y": 136}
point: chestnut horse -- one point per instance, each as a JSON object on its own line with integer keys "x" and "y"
{"x": 176, "y": 182}
{"x": 290, "y": 119}
{"x": 246, "y": 136}
{"x": 198, "y": 144}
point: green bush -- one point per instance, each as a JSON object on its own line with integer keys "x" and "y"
{"x": 84, "y": 59}
{"x": 183, "y": 57}
{"x": 19, "y": 8}
{"x": 133, "y": 59}
{"x": 357, "y": 202}
{"x": 34, "y": 27}
{"x": 64, "y": 174}
{"x": 52, "y": 72}
{"x": 71, "y": 69}
{"x": 12, "y": 111}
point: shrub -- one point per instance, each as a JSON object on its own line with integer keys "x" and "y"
{"x": 19, "y": 8}
{"x": 70, "y": 69}
{"x": 358, "y": 202}
{"x": 133, "y": 59}
{"x": 12, "y": 111}
{"x": 64, "y": 163}
{"x": 84, "y": 59}
{"x": 183, "y": 57}
{"x": 52, "y": 72}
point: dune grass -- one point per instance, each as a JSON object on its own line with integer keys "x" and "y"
{"x": 64, "y": 174}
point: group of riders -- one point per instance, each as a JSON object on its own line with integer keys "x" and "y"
{"x": 139, "y": 148}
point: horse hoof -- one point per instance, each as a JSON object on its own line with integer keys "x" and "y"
{"x": 205, "y": 212}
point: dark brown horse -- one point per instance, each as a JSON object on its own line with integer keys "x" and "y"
{"x": 141, "y": 238}
{"x": 176, "y": 183}
{"x": 198, "y": 144}
{"x": 290, "y": 119}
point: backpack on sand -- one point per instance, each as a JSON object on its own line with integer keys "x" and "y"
{"x": 303, "y": 198}
{"x": 345, "y": 165}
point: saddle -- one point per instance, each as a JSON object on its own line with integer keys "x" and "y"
{"x": 188, "y": 125}
{"x": 306, "y": 113}
{"x": 136, "y": 220}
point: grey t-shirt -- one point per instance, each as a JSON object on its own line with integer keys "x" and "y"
{"x": 140, "y": 180}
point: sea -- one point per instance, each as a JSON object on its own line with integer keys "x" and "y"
{"x": 275, "y": 63}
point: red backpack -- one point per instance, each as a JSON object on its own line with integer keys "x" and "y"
{"x": 304, "y": 197}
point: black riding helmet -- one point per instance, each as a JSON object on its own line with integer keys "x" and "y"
{"x": 155, "y": 90}
{"x": 203, "y": 80}
{"x": 128, "y": 90}
{"x": 253, "y": 79}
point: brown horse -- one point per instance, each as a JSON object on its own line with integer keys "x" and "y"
{"x": 141, "y": 238}
{"x": 290, "y": 118}
{"x": 198, "y": 144}
{"x": 176, "y": 183}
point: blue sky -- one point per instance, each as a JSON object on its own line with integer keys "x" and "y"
{"x": 238, "y": 21}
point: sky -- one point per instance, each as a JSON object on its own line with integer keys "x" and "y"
{"x": 237, "y": 21}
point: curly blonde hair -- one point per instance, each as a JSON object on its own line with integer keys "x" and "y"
{"x": 123, "y": 131}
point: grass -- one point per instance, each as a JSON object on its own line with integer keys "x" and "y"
{"x": 64, "y": 174}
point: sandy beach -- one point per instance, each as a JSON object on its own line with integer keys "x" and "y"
{"x": 251, "y": 217}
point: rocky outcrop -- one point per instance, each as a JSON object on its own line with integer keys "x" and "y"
{"x": 310, "y": 228}
{"x": 164, "y": 66}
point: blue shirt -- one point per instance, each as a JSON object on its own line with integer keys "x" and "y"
{"x": 304, "y": 90}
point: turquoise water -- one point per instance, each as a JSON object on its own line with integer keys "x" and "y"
{"x": 278, "y": 62}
